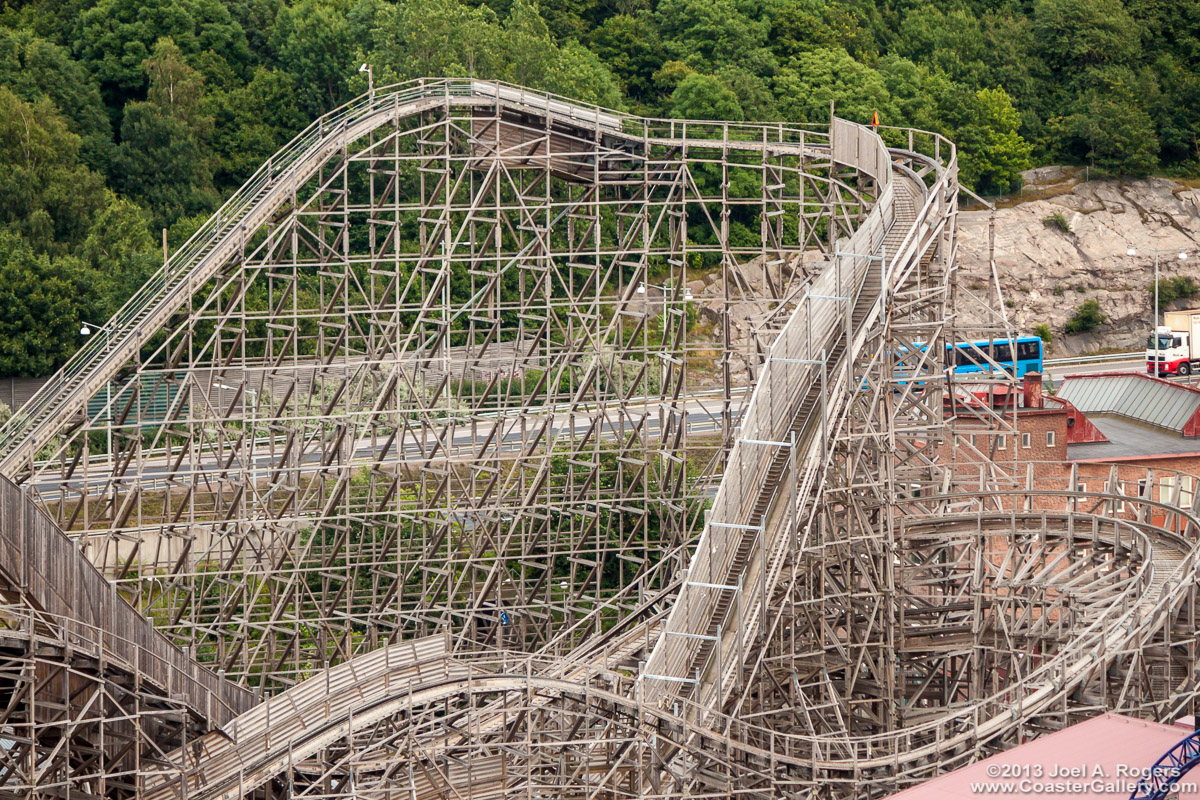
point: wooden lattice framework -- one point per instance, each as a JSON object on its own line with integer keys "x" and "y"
{"x": 422, "y": 445}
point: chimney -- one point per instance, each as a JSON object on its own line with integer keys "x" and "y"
{"x": 1033, "y": 390}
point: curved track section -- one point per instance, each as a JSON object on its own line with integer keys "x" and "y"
{"x": 1162, "y": 777}
{"x": 1126, "y": 579}
{"x": 935, "y": 621}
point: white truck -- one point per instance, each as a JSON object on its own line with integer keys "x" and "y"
{"x": 1172, "y": 350}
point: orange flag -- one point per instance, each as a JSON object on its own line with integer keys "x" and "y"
{"x": 875, "y": 119}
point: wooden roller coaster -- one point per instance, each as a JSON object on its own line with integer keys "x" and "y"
{"x": 490, "y": 444}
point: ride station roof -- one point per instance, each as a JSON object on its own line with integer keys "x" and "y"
{"x": 1102, "y": 757}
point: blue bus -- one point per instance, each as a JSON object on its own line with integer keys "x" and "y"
{"x": 965, "y": 358}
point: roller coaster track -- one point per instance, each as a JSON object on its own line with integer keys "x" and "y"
{"x": 1169, "y": 770}
{"x": 41, "y": 567}
{"x": 402, "y": 679}
{"x": 771, "y": 490}
{"x": 216, "y": 242}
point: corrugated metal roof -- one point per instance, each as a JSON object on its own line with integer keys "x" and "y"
{"x": 1139, "y": 397}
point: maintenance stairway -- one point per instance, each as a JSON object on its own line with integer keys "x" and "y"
{"x": 801, "y": 396}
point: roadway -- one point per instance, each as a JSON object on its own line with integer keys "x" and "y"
{"x": 459, "y": 440}
{"x": 1055, "y": 369}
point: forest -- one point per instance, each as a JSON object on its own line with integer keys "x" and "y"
{"x": 119, "y": 118}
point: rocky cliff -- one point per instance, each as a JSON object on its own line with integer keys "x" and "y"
{"x": 1069, "y": 243}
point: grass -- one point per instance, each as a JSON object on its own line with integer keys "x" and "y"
{"x": 1057, "y": 220}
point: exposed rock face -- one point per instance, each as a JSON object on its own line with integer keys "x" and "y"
{"x": 1047, "y": 272}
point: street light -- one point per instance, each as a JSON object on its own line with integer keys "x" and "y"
{"x": 1132, "y": 251}
{"x": 85, "y": 329}
{"x": 370, "y": 79}
{"x": 666, "y": 290}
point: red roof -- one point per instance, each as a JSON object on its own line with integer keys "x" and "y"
{"x": 1100, "y": 757}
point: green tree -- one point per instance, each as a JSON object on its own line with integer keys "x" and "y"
{"x": 1086, "y": 318}
{"x": 175, "y": 88}
{"x": 1075, "y": 34}
{"x": 631, "y": 47}
{"x": 163, "y": 162}
{"x": 437, "y": 37}
{"x": 1177, "y": 287}
{"x": 252, "y": 122}
{"x": 992, "y": 153}
{"x": 42, "y": 300}
{"x": 529, "y": 51}
{"x": 256, "y": 18}
{"x": 753, "y": 93}
{"x": 578, "y": 73}
{"x": 1111, "y": 130}
{"x": 797, "y": 26}
{"x": 704, "y": 97}
{"x": 46, "y": 195}
{"x": 804, "y": 88}
{"x": 707, "y": 34}
{"x": 117, "y": 36}
{"x": 1176, "y": 111}
{"x": 312, "y": 43}
{"x": 33, "y": 68}
{"x": 120, "y": 247}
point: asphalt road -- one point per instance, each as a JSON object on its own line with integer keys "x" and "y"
{"x": 1056, "y": 373}
{"x": 701, "y": 416}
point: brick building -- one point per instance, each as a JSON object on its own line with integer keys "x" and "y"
{"x": 1106, "y": 432}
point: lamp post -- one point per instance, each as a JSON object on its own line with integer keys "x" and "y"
{"x": 370, "y": 80}
{"x": 1132, "y": 251}
{"x": 666, "y": 290}
{"x": 85, "y": 329}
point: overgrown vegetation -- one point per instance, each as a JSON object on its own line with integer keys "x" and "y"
{"x": 121, "y": 117}
{"x": 1087, "y": 317}
{"x": 1178, "y": 287}
{"x": 1042, "y": 331}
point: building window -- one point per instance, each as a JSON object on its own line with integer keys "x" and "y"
{"x": 1026, "y": 440}
{"x": 1049, "y": 438}
{"x": 1082, "y": 487}
{"x": 1002, "y": 442}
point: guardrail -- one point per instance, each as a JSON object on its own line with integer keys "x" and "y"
{"x": 1107, "y": 358}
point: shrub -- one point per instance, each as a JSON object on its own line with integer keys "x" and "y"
{"x": 1057, "y": 220}
{"x": 1178, "y": 287}
{"x": 1042, "y": 332}
{"x": 1086, "y": 317}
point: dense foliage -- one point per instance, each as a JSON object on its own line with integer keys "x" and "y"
{"x": 121, "y": 117}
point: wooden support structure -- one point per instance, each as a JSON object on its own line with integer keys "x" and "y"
{"x": 423, "y": 471}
